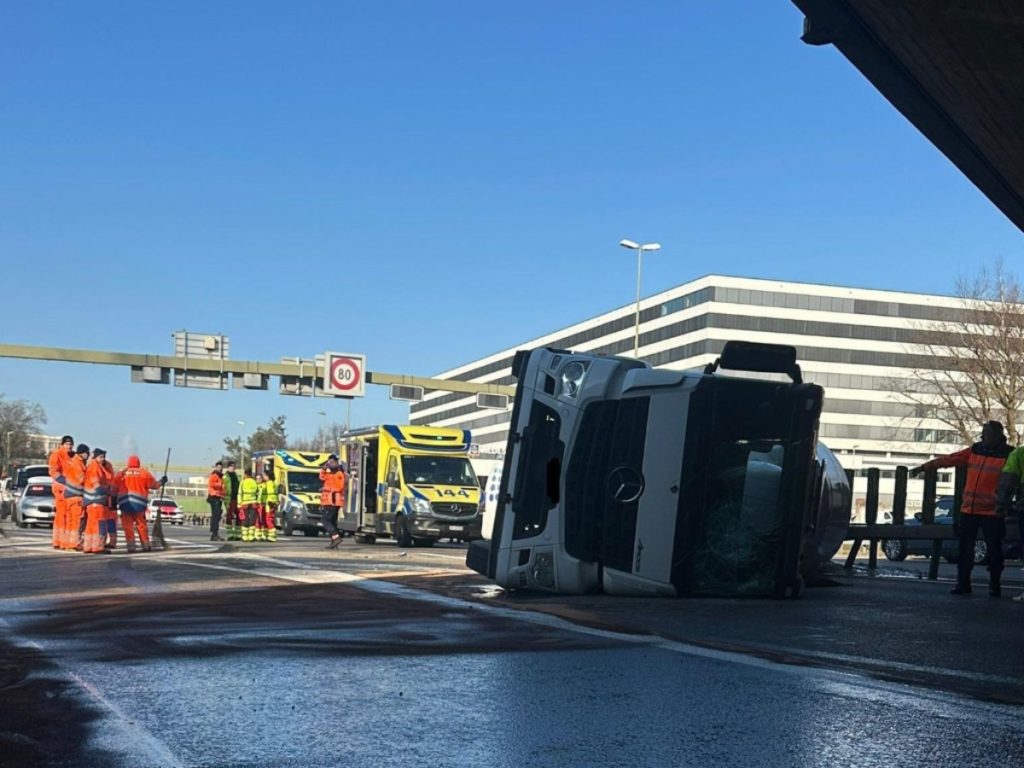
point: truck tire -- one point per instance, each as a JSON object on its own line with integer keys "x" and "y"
{"x": 287, "y": 529}
{"x": 365, "y": 538}
{"x": 402, "y": 534}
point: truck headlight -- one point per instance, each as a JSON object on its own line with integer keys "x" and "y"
{"x": 420, "y": 507}
{"x": 298, "y": 509}
{"x": 572, "y": 377}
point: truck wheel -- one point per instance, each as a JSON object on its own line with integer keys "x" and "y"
{"x": 402, "y": 534}
{"x": 365, "y": 538}
{"x": 287, "y": 529}
{"x": 423, "y": 542}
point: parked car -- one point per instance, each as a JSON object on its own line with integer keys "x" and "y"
{"x": 6, "y": 497}
{"x": 35, "y": 504}
{"x": 28, "y": 473}
{"x": 169, "y": 510}
{"x": 899, "y": 549}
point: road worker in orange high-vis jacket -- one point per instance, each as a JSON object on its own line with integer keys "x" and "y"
{"x": 58, "y": 461}
{"x": 74, "y": 495}
{"x": 134, "y": 483}
{"x": 332, "y": 498}
{"x": 98, "y": 479}
{"x": 984, "y": 461}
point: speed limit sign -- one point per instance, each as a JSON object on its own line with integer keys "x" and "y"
{"x": 344, "y": 374}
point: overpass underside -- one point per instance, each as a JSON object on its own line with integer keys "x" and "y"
{"x": 954, "y": 68}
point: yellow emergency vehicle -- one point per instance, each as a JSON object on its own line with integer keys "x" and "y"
{"x": 413, "y": 484}
{"x": 297, "y": 474}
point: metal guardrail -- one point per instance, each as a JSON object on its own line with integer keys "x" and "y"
{"x": 872, "y": 532}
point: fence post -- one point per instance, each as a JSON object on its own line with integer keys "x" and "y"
{"x": 851, "y": 558}
{"x": 871, "y": 514}
{"x": 931, "y": 477}
{"x": 899, "y": 496}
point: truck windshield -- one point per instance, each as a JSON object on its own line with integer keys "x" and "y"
{"x": 438, "y": 470}
{"x": 304, "y": 482}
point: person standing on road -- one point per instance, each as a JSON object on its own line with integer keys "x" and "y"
{"x": 97, "y": 482}
{"x": 978, "y": 512}
{"x": 74, "y": 495}
{"x": 215, "y": 498}
{"x": 108, "y": 528}
{"x": 231, "y": 485}
{"x": 59, "y": 458}
{"x": 248, "y": 500}
{"x": 134, "y": 483}
{"x": 332, "y": 498}
{"x": 269, "y": 502}
{"x": 1009, "y": 487}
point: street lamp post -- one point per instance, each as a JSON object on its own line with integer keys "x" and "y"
{"x": 639, "y": 265}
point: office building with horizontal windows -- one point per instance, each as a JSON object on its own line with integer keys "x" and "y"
{"x": 861, "y": 345}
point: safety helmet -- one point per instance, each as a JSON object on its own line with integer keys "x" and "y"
{"x": 133, "y": 461}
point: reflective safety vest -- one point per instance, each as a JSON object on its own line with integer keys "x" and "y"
{"x": 98, "y": 478}
{"x": 58, "y": 462}
{"x": 249, "y": 492}
{"x": 333, "y": 492}
{"x": 268, "y": 492}
{"x": 984, "y": 466}
{"x": 133, "y": 487}
{"x": 74, "y": 478}
{"x": 215, "y": 486}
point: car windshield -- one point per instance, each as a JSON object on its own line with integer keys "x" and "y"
{"x": 165, "y": 503}
{"x": 438, "y": 470}
{"x": 27, "y": 474}
{"x": 39, "y": 490}
{"x": 304, "y": 482}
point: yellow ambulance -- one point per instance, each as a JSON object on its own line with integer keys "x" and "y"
{"x": 413, "y": 484}
{"x": 297, "y": 474}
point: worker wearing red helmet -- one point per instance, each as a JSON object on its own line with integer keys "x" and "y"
{"x": 134, "y": 483}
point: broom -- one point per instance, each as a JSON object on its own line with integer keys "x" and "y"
{"x": 158, "y": 528}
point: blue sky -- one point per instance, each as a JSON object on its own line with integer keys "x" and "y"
{"x": 426, "y": 183}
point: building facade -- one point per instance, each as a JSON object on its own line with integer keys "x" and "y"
{"x": 861, "y": 345}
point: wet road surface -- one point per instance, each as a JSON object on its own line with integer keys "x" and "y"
{"x": 271, "y": 655}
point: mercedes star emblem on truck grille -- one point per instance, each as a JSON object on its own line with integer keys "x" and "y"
{"x": 625, "y": 484}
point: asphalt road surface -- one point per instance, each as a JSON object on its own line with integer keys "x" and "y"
{"x": 288, "y": 654}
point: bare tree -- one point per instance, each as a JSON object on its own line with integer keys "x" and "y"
{"x": 973, "y": 368}
{"x": 18, "y": 420}
{"x": 326, "y": 439}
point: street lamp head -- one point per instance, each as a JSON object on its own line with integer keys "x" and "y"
{"x": 635, "y": 246}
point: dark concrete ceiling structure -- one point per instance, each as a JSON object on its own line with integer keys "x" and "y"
{"x": 954, "y": 68}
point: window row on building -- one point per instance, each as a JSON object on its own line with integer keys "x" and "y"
{"x": 781, "y": 299}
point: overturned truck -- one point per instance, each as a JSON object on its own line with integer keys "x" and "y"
{"x": 634, "y": 481}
